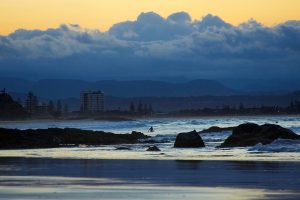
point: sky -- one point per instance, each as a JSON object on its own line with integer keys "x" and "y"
{"x": 230, "y": 39}
{"x": 102, "y": 14}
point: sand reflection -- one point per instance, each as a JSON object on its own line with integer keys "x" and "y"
{"x": 37, "y": 187}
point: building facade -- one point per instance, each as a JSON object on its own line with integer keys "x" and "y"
{"x": 91, "y": 102}
{"x": 31, "y": 103}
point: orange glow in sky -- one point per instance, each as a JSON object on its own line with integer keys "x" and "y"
{"x": 101, "y": 14}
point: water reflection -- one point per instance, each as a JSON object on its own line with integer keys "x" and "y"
{"x": 266, "y": 175}
{"x": 188, "y": 164}
{"x": 116, "y": 192}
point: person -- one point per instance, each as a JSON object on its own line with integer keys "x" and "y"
{"x": 151, "y": 129}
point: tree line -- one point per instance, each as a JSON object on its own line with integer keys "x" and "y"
{"x": 292, "y": 108}
{"x": 34, "y": 107}
{"x": 140, "y": 108}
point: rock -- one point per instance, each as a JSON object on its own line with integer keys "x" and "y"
{"x": 214, "y": 129}
{"x": 153, "y": 148}
{"x": 57, "y": 137}
{"x": 137, "y": 134}
{"x": 250, "y": 134}
{"x": 189, "y": 140}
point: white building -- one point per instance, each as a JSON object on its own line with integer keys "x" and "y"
{"x": 91, "y": 101}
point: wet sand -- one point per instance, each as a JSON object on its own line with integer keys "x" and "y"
{"x": 42, "y": 178}
{"x": 72, "y": 192}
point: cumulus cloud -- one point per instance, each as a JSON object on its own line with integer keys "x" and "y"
{"x": 180, "y": 18}
{"x": 210, "y": 22}
{"x": 150, "y": 27}
{"x": 175, "y": 45}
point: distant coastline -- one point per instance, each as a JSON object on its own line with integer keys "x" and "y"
{"x": 134, "y": 118}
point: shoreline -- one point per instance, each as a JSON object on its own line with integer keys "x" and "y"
{"x": 77, "y": 189}
{"x": 35, "y": 178}
{"x": 93, "y": 153}
{"x": 281, "y": 151}
{"x": 131, "y": 158}
{"x": 232, "y": 174}
{"x": 125, "y": 119}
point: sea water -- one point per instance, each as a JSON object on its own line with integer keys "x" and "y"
{"x": 166, "y": 130}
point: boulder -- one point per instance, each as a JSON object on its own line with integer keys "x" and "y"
{"x": 138, "y": 134}
{"x": 189, "y": 140}
{"x": 250, "y": 134}
{"x": 153, "y": 148}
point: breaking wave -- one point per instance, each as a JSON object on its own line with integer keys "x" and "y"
{"x": 280, "y": 145}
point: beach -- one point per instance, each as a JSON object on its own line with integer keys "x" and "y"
{"x": 40, "y": 178}
{"x": 104, "y": 172}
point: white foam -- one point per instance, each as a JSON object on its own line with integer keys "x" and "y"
{"x": 279, "y": 145}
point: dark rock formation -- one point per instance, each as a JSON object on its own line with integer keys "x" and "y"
{"x": 56, "y": 137}
{"x": 138, "y": 134}
{"x": 153, "y": 148}
{"x": 189, "y": 140}
{"x": 250, "y": 134}
{"x": 214, "y": 129}
{"x": 10, "y": 109}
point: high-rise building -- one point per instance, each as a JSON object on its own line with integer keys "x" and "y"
{"x": 91, "y": 101}
{"x": 31, "y": 103}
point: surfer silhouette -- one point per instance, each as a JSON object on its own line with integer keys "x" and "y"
{"x": 151, "y": 129}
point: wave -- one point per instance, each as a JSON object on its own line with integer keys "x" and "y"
{"x": 280, "y": 145}
{"x": 161, "y": 138}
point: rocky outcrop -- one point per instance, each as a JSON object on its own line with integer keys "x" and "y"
{"x": 139, "y": 135}
{"x": 153, "y": 148}
{"x": 189, "y": 140}
{"x": 250, "y": 134}
{"x": 214, "y": 129}
{"x": 56, "y": 137}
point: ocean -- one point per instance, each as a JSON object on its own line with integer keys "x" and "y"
{"x": 103, "y": 172}
{"x": 166, "y": 130}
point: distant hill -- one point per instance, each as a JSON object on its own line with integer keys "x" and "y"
{"x": 164, "y": 96}
{"x": 9, "y": 109}
{"x": 64, "y": 88}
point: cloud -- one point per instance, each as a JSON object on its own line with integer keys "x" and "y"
{"x": 211, "y": 22}
{"x": 180, "y": 18}
{"x": 155, "y": 46}
{"x": 152, "y": 27}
